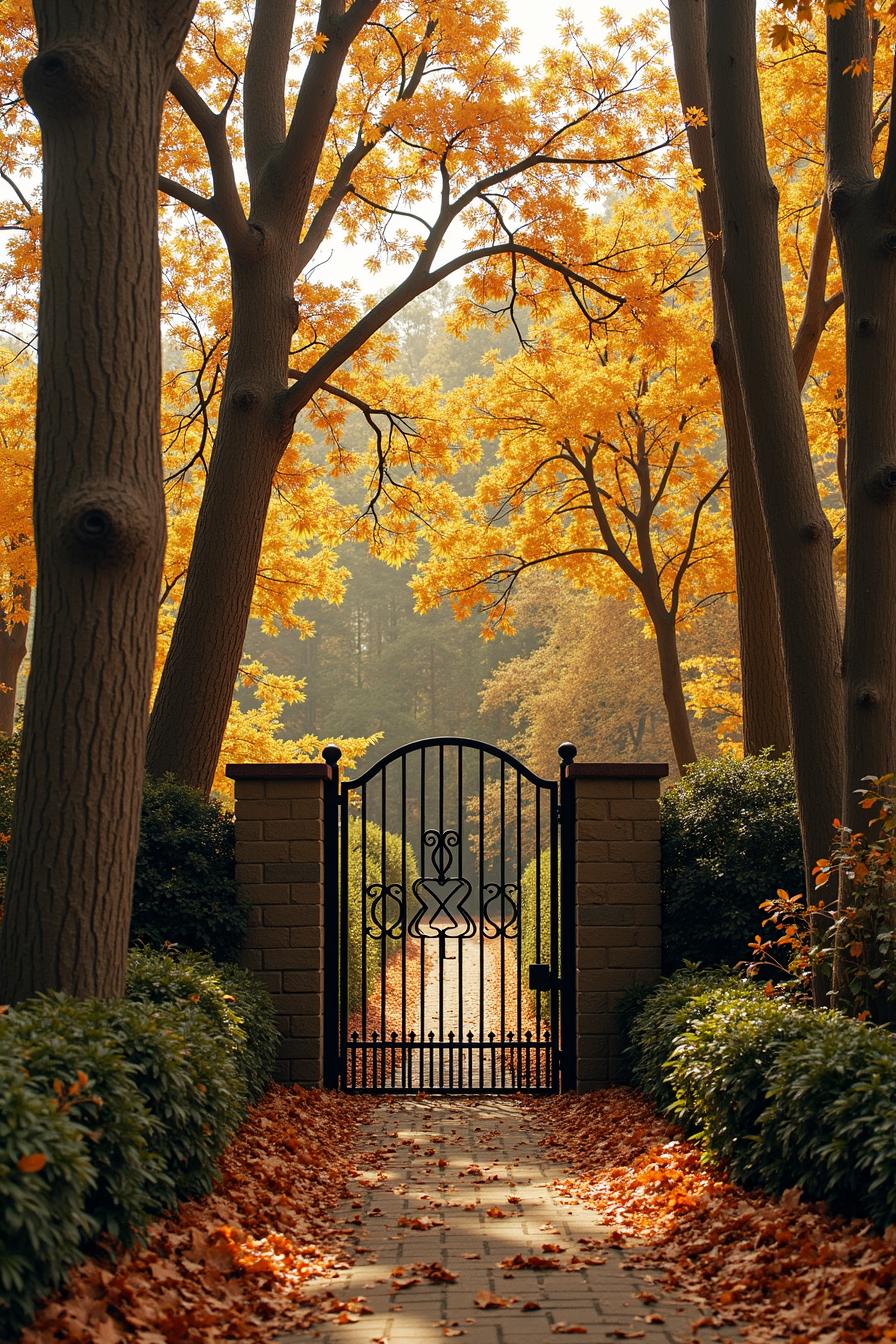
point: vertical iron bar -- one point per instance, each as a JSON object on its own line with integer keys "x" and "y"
{"x": 384, "y": 880}
{"x": 519, "y": 908}
{"x": 344, "y": 939}
{"x": 363, "y": 930}
{"x": 331, "y": 948}
{"x": 481, "y": 919}
{"x": 442, "y": 938}
{"x": 461, "y": 942}
{"x": 405, "y": 898}
{"x": 422, "y": 941}
{"x": 568, "y": 976}
{"x": 502, "y": 877}
{"x": 538, "y": 956}
{"x": 556, "y": 955}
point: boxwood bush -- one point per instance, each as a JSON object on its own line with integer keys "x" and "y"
{"x": 730, "y": 839}
{"x": 184, "y": 887}
{"x": 176, "y": 1059}
{"x": 46, "y": 1176}
{"x": 73, "y": 1048}
{"x": 782, "y": 1095}
{"x": 110, "y": 1112}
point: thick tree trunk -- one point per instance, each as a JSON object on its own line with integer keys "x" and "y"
{"x": 673, "y": 691}
{"x": 766, "y": 721}
{"x": 798, "y": 531}
{"x": 97, "y": 86}
{"x": 196, "y": 689}
{"x": 13, "y": 640}
{"x": 863, "y": 212}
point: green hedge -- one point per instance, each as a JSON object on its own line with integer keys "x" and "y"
{"x": 780, "y": 1094}
{"x": 111, "y": 1112}
{"x": 184, "y": 887}
{"x": 730, "y": 839}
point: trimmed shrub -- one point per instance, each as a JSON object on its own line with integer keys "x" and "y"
{"x": 184, "y": 888}
{"x": 253, "y": 1007}
{"x": 191, "y": 1086}
{"x": 236, "y": 1004}
{"x": 830, "y": 1122}
{"x": 186, "y": 978}
{"x": 73, "y": 1048}
{"x": 42, "y": 1218}
{"x": 669, "y": 1010}
{"x": 730, "y": 839}
{"x": 782, "y": 1094}
{"x": 720, "y": 1065}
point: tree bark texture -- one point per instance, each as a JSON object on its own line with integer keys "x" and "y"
{"x": 799, "y": 534}
{"x": 196, "y": 689}
{"x": 673, "y": 691}
{"x": 97, "y": 86}
{"x": 254, "y": 426}
{"x": 13, "y": 641}
{"x": 766, "y": 721}
{"x": 863, "y": 211}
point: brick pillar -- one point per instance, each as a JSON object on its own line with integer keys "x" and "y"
{"x": 617, "y": 899}
{"x": 280, "y": 869}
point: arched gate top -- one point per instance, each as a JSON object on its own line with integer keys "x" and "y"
{"x": 487, "y": 748}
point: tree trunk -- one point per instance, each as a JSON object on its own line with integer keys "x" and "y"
{"x": 799, "y": 534}
{"x": 673, "y": 690}
{"x": 13, "y": 640}
{"x": 863, "y": 213}
{"x": 97, "y": 86}
{"x": 196, "y": 689}
{"x": 766, "y": 721}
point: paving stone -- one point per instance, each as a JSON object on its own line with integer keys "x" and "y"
{"x": 493, "y": 1135}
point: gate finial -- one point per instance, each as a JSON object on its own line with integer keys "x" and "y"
{"x": 567, "y": 753}
{"x": 331, "y": 754}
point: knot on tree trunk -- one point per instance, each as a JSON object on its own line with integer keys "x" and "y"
{"x": 102, "y": 523}
{"x": 882, "y": 485}
{"x": 69, "y": 78}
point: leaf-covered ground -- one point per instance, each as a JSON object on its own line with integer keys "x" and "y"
{"x": 259, "y": 1257}
{"x": 783, "y": 1270}
{"x": 250, "y": 1260}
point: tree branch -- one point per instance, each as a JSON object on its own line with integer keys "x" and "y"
{"x": 264, "y": 82}
{"x": 817, "y": 308}
{"x": 224, "y": 206}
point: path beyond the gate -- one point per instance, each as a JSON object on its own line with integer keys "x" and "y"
{"x": 460, "y": 1235}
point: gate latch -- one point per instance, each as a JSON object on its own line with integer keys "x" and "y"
{"x": 541, "y": 977}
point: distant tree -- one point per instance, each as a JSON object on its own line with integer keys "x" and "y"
{"x": 606, "y": 468}
{"x": 97, "y": 85}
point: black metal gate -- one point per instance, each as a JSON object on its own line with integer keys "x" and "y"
{"x": 455, "y": 942}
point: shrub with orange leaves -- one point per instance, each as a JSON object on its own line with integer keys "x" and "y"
{"x": 852, "y": 940}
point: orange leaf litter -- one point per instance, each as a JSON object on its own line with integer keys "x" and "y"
{"x": 239, "y": 1264}
{"x": 781, "y": 1269}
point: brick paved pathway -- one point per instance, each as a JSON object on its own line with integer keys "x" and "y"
{"x": 463, "y": 1184}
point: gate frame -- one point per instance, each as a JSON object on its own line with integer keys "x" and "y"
{"x": 335, "y": 966}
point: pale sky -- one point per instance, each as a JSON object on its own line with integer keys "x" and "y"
{"x": 538, "y": 18}
{"x": 538, "y": 23}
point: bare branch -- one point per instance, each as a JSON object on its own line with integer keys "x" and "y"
{"x": 224, "y": 206}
